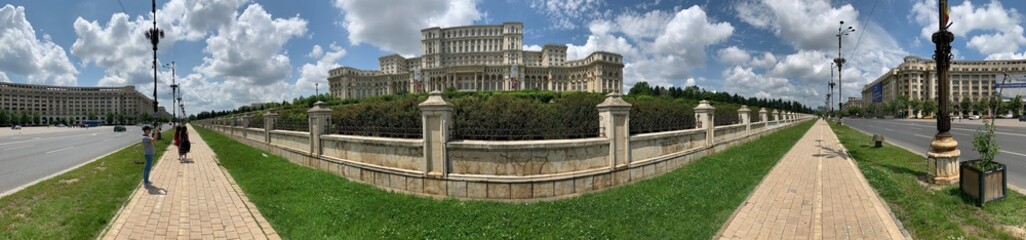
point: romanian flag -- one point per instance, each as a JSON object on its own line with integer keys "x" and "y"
{"x": 945, "y": 14}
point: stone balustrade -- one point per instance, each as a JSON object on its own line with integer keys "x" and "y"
{"x": 503, "y": 170}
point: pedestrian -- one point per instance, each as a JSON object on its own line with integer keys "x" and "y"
{"x": 147, "y": 142}
{"x": 178, "y": 132}
{"x": 185, "y": 144}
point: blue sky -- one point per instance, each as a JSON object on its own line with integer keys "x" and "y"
{"x": 235, "y": 52}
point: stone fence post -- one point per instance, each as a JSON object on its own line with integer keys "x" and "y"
{"x": 745, "y": 114}
{"x": 614, "y": 124}
{"x": 762, "y": 116}
{"x": 704, "y": 119}
{"x": 436, "y": 114}
{"x": 269, "y": 120}
{"x": 318, "y": 116}
{"x": 776, "y": 115}
{"x": 245, "y": 124}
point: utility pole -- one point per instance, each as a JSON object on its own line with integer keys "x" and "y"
{"x": 155, "y": 34}
{"x": 841, "y": 31}
{"x": 942, "y": 160}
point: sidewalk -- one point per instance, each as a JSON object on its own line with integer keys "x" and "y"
{"x": 814, "y": 192}
{"x": 196, "y": 200}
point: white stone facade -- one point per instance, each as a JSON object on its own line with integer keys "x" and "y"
{"x": 917, "y": 78}
{"x": 76, "y": 103}
{"x": 480, "y": 58}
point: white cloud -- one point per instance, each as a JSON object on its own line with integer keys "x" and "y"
{"x": 40, "y": 61}
{"x": 746, "y": 82}
{"x": 805, "y": 24}
{"x": 3, "y": 77}
{"x": 118, "y": 47}
{"x": 993, "y": 30}
{"x": 676, "y": 47}
{"x": 395, "y": 25}
{"x": 733, "y": 55}
{"x": 564, "y": 14}
{"x": 767, "y": 61}
{"x": 318, "y": 71}
{"x": 195, "y": 19}
{"x": 532, "y": 47}
{"x": 251, "y": 51}
{"x": 316, "y": 52}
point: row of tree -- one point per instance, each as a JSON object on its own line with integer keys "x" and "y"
{"x": 695, "y": 93}
{"x": 904, "y": 107}
{"x": 300, "y": 102}
{"x": 25, "y": 118}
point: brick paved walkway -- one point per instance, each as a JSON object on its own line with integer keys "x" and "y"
{"x": 814, "y": 192}
{"x": 196, "y": 200}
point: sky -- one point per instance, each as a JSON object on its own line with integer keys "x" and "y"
{"x": 230, "y": 53}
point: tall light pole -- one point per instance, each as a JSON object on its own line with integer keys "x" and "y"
{"x": 174, "y": 92}
{"x": 317, "y": 89}
{"x": 841, "y": 31}
{"x": 942, "y": 160}
{"x": 831, "y": 84}
{"x": 155, "y": 34}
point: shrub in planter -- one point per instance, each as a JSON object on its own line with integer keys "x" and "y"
{"x": 983, "y": 179}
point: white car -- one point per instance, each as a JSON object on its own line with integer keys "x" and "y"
{"x": 1005, "y": 116}
{"x": 974, "y": 117}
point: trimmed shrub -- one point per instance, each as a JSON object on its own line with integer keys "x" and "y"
{"x": 397, "y": 117}
{"x": 529, "y": 115}
{"x": 660, "y": 114}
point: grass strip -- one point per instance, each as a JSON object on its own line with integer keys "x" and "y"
{"x": 690, "y": 203}
{"x": 77, "y": 204}
{"x": 929, "y": 213}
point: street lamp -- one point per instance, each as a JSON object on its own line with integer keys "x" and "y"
{"x": 316, "y": 89}
{"x": 841, "y": 31}
{"x": 174, "y": 91}
{"x": 830, "y": 103}
{"x": 942, "y": 160}
{"x": 155, "y": 34}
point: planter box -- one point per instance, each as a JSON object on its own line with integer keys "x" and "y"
{"x": 982, "y": 186}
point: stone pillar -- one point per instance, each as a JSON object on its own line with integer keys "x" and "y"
{"x": 704, "y": 116}
{"x": 762, "y": 115}
{"x": 614, "y": 124}
{"x": 776, "y": 115}
{"x": 318, "y": 117}
{"x": 244, "y": 120}
{"x": 269, "y": 120}
{"x": 437, "y": 118}
{"x": 745, "y": 114}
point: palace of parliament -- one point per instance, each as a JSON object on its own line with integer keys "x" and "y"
{"x": 480, "y": 58}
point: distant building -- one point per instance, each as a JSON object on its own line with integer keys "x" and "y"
{"x": 480, "y": 58}
{"x": 53, "y": 103}
{"x": 970, "y": 80}
{"x": 852, "y": 102}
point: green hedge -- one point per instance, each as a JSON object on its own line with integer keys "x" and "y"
{"x": 660, "y": 114}
{"x": 396, "y": 117}
{"x": 525, "y": 115}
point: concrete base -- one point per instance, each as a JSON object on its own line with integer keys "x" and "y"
{"x": 942, "y": 160}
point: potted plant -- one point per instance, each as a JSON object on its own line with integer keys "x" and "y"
{"x": 984, "y": 180}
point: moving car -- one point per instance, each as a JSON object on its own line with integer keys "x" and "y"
{"x": 974, "y": 117}
{"x": 119, "y": 128}
{"x": 16, "y": 127}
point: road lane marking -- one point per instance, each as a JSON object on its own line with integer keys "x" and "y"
{"x": 889, "y": 130}
{"x": 1013, "y": 153}
{"x": 8, "y": 149}
{"x": 58, "y": 150}
{"x": 924, "y": 136}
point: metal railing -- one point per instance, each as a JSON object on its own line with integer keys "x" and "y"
{"x": 292, "y": 124}
{"x": 726, "y": 118}
{"x": 410, "y": 128}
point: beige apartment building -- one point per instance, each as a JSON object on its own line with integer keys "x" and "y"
{"x": 74, "y": 103}
{"x": 480, "y": 58}
{"x": 917, "y": 78}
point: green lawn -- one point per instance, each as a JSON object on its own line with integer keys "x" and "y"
{"x": 77, "y": 204}
{"x": 929, "y": 214}
{"x": 691, "y": 202}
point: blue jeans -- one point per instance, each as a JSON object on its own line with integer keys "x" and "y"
{"x": 146, "y": 169}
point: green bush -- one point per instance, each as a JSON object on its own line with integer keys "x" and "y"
{"x": 660, "y": 114}
{"x": 396, "y": 116}
{"x": 528, "y": 115}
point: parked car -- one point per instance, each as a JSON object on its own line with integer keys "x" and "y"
{"x": 1005, "y": 116}
{"x": 974, "y": 117}
{"x": 119, "y": 128}
{"x": 16, "y": 127}
{"x": 1022, "y": 118}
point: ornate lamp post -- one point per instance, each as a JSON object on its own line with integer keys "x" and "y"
{"x": 830, "y": 103}
{"x": 841, "y": 31}
{"x": 317, "y": 89}
{"x": 155, "y": 34}
{"x": 174, "y": 92}
{"x": 943, "y": 156}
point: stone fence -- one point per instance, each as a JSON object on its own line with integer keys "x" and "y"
{"x": 436, "y": 166}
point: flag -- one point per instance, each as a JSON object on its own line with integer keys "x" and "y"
{"x": 945, "y": 15}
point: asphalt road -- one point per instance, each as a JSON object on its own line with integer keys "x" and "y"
{"x": 30, "y": 157}
{"x": 916, "y": 135}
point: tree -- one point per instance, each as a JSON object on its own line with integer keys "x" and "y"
{"x": 640, "y": 88}
{"x": 91, "y": 116}
{"x": 37, "y": 119}
{"x": 900, "y": 105}
{"x": 3, "y": 117}
{"x": 1017, "y": 105}
{"x": 24, "y": 118}
{"x": 916, "y": 105}
{"x": 930, "y": 107}
{"x": 965, "y": 106}
{"x": 110, "y": 118}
